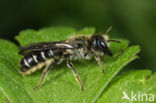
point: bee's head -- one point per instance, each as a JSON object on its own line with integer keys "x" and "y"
{"x": 99, "y": 43}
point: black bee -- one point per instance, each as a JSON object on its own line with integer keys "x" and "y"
{"x": 47, "y": 54}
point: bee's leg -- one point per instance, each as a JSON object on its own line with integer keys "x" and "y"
{"x": 97, "y": 58}
{"x": 71, "y": 66}
{"x": 47, "y": 68}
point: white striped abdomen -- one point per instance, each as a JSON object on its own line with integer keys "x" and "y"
{"x": 37, "y": 59}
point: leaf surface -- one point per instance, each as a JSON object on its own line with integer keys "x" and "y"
{"x": 138, "y": 83}
{"x": 60, "y": 85}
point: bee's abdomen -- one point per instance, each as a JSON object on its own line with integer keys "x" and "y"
{"x": 36, "y": 60}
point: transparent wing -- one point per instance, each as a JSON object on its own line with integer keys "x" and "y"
{"x": 45, "y": 45}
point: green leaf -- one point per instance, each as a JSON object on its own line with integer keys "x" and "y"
{"x": 136, "y": 82}
{"x": 44, "y": 35}
{"x": 59, "y": 85}
{"x": 10, "y": 79}
{"x": 3, "y": 98}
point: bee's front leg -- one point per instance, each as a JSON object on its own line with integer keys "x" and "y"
{"x": 71, "y": 66}
{"x": 98, "y": 59}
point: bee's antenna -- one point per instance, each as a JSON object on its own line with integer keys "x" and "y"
{"x": 108, "y": 30}
{"x": 113, "y": 41}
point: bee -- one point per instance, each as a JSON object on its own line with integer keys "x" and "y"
{"x": 48, "y": 54}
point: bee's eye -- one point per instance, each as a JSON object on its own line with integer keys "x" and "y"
{"x": 102, "y": 44}
{"x": 98, "y": 44}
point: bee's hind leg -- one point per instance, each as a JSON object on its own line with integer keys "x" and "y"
{"x": 47, "y": 68}
{"x": 71, "y": 66}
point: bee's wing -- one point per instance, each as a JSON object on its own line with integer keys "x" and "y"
{"x": 46, "y": 45}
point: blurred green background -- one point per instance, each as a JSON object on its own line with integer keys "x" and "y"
{"x": 131, "y": 19}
